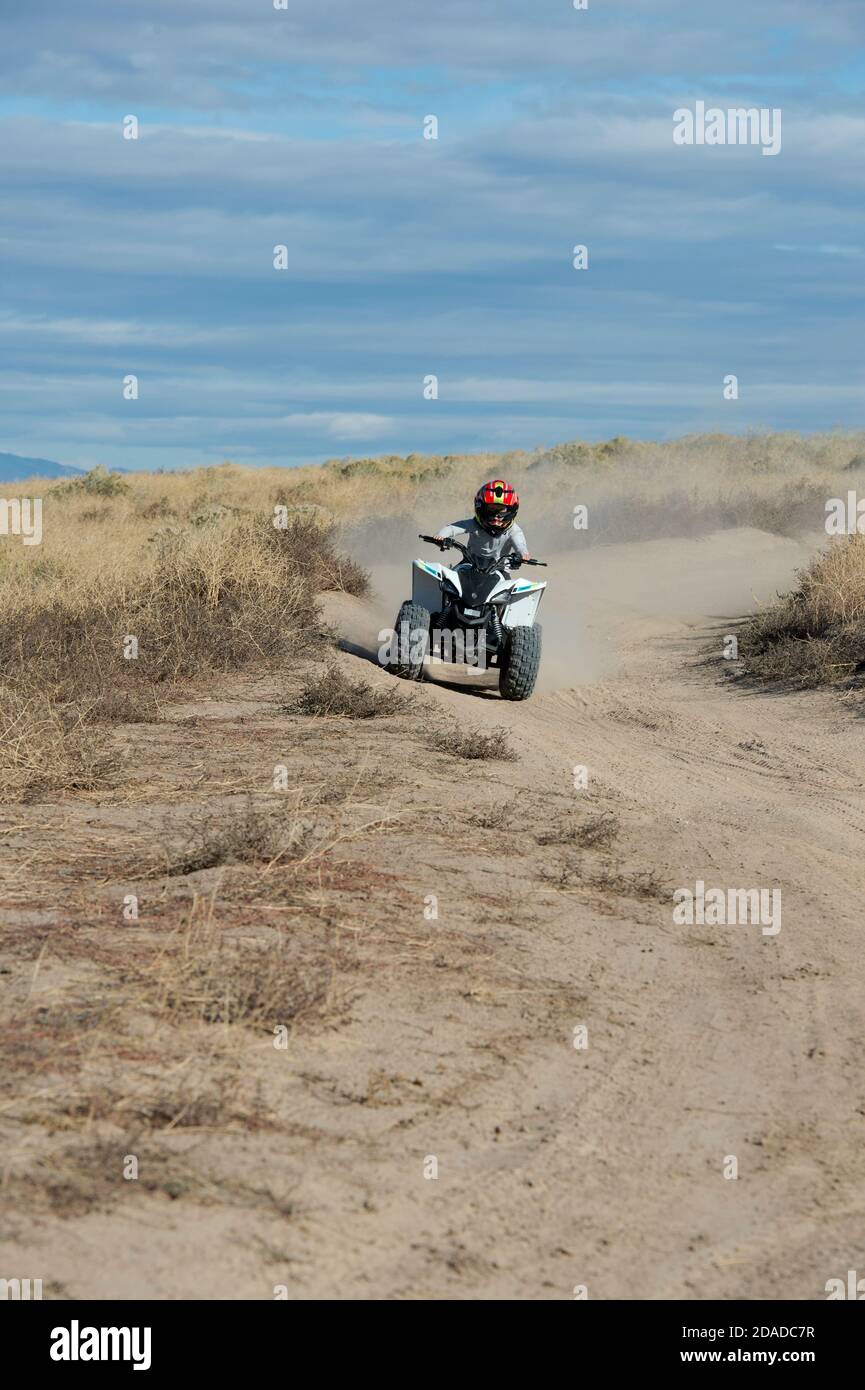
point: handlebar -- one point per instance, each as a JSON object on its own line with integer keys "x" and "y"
{"x": 514, "y": 560}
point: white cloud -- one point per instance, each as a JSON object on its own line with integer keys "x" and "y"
{"x": 339, "y": 424}
{"x": 111, "y": 332}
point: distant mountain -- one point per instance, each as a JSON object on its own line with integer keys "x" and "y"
{"x": 14, "y": 466}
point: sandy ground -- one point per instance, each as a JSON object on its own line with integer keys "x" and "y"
{"x": 557, "y": 1166}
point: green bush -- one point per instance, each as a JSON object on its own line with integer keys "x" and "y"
{"x": 97, "y": 483}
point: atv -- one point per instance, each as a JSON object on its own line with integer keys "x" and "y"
{"x": 477, "y": 614}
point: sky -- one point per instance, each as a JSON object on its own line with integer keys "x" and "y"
{"x": 408, "y": 257}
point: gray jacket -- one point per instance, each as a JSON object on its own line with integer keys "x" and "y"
{"x": 480, "y": 543}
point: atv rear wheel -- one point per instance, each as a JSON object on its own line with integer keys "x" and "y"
{"x": 520, "y": 664}
{"x": 411, "y": 642}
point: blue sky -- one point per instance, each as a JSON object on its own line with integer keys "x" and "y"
{"x": 410, "y": 257}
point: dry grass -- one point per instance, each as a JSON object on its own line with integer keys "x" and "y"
{"x": 210, "y": 599}
{"x": 595, "y": 832}
{"x": 84, "y": 1175}
{"x": 496, "y": 816}
{"x": 192, "y": 565}
{"x": 160, "y": 1030}
{"x": 50, "y": 746}
{"x": 213, "y": 601}
{"x": 246, "y": 837}
{"x": 206, "y": 975}
{"x": 474, "y": 744}
{"x": 633, "y": 488}
{"x": 90, "y": 1174}
{"x": 816, "y": 634}
{"x": 167, "y": 1038}
{"x": 331, "y": 693}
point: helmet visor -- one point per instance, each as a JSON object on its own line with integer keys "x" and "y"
{"x": 495, "y": 515}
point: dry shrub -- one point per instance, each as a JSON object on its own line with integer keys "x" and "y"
{"x": 215, "y": 600}
{"x": 247, "y": 837}
{"x": 332, "y": 693}
{"x": 595, "y": 832}
{"x": 88, "y": 1174}
{"x": 49, "y": 746}
{"x": 134, "y": 703}
{"x": 157, "y": 510}
{"x": 83, "y": 1176}
{"x": 205, "y": 974}
{"x": 99, "y": 482}
{"x": 684, "y": 487}
{"x": 816, "y": 634}
{"x": 629, "y": 884}
{"x": 634, "y": 489}
{"x": 474, "y": 744}
{"x": 308, "y": 545}
{"x": 496, "y": 816}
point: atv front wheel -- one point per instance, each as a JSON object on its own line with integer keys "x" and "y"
{"x": 520, "y": 664}
{"x": 410, "y": 643}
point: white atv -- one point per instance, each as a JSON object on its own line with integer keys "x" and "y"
{"x": 478, "y": 614}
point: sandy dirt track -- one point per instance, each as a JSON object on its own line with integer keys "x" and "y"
{"x": 560, "y": 1167}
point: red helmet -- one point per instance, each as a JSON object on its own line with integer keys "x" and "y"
{"x": 496, "y": 506}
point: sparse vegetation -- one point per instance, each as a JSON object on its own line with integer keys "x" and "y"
{"x": 816, "y": 634}
{"x": 210, "y": 599}
{"x": 211, "y": 602}
{"x": 49, "y": 746}
{"x": 633, "y": 488}
{"x": 206, "y": 975}
{"x": 155, "y": 1036}
{"x": 595, "y": 832}
{"x": 185, "y": 1011}
{"x": 248, "y": 837}
{"x": 97, "y": 483}
{"x": 331, "y": 693}
{"x": 474, "y": 744}
{"x": 625, "y": 884}
{"x": 497, "y": 816}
